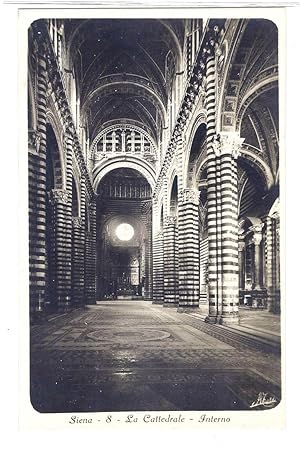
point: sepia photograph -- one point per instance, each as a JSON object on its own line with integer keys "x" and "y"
{"x": 154, "y": 216}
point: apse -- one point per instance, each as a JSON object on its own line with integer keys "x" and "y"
{"x": 123, "y": 236}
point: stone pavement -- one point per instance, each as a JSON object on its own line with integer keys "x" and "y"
{"x": 137, "y": 356}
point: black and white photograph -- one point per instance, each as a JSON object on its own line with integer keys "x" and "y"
{"x": 154, "y": 216}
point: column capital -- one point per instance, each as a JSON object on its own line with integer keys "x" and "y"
{"x": 241, "y": 245}
{"x": 170, "y": 220}
{"x": 58, "y": 196}
{"x": 189, "y": 195}
{"x": 257, "y": 233}
{"x": 77, "y": 222}
{"x": 34, "y": 139}
{"x": 160, "y": 235}
{"x": 227, "y": 143}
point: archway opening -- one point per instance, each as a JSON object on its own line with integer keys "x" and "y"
{"x": 260, "y": 128}
{"x": 124, "y": 236}
{"x": 198, "y": 150}
{"x": 174, "y": 198}
{"x": 252, "y": 191}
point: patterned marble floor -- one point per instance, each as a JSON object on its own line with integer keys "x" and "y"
{"x": 132, "y": 356}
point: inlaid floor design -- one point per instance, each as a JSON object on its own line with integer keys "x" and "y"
{"x": 133, "y": 356}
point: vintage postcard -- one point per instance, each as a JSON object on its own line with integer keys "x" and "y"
{"x": 153, "y": 257}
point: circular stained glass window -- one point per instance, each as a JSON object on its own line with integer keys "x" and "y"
{"x": 125, "y": 232}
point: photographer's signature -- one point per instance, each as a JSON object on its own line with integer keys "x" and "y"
{"x": 264, "y": 399}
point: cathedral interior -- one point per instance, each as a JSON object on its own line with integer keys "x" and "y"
{"x": 154, "y": 223}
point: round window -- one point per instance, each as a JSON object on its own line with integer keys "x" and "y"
{"x": 125, "y": 232}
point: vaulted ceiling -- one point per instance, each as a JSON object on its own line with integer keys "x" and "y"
{"x": 124, "y": 68}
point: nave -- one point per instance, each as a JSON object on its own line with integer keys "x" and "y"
{"x": 154, "y": 213}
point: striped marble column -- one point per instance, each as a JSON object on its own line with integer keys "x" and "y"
{"x": 77, "y": 263}
{"x": 188, "y": 248}
{"x": 170, "y": 262}
{"x": 37, "y": 192}
{"x": 158, "y": 268}
{"x": 213, "y": 196}
{"x": 90, "y": 257}
{"x": 203, "y": 299}
{"x": 277, "y": 259}
{"x": 60, "y": 259}
{"x": 63, "y": 200}
{"x": 241, "y": 263}
{"x": 224, "y": 289}
{"x": 270, "y": 271}
{"x": 81, "y": 253}
{"x": 272, "y": 264}
{"x": 148, "y": 258}
{"x": 229, "y": 149}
